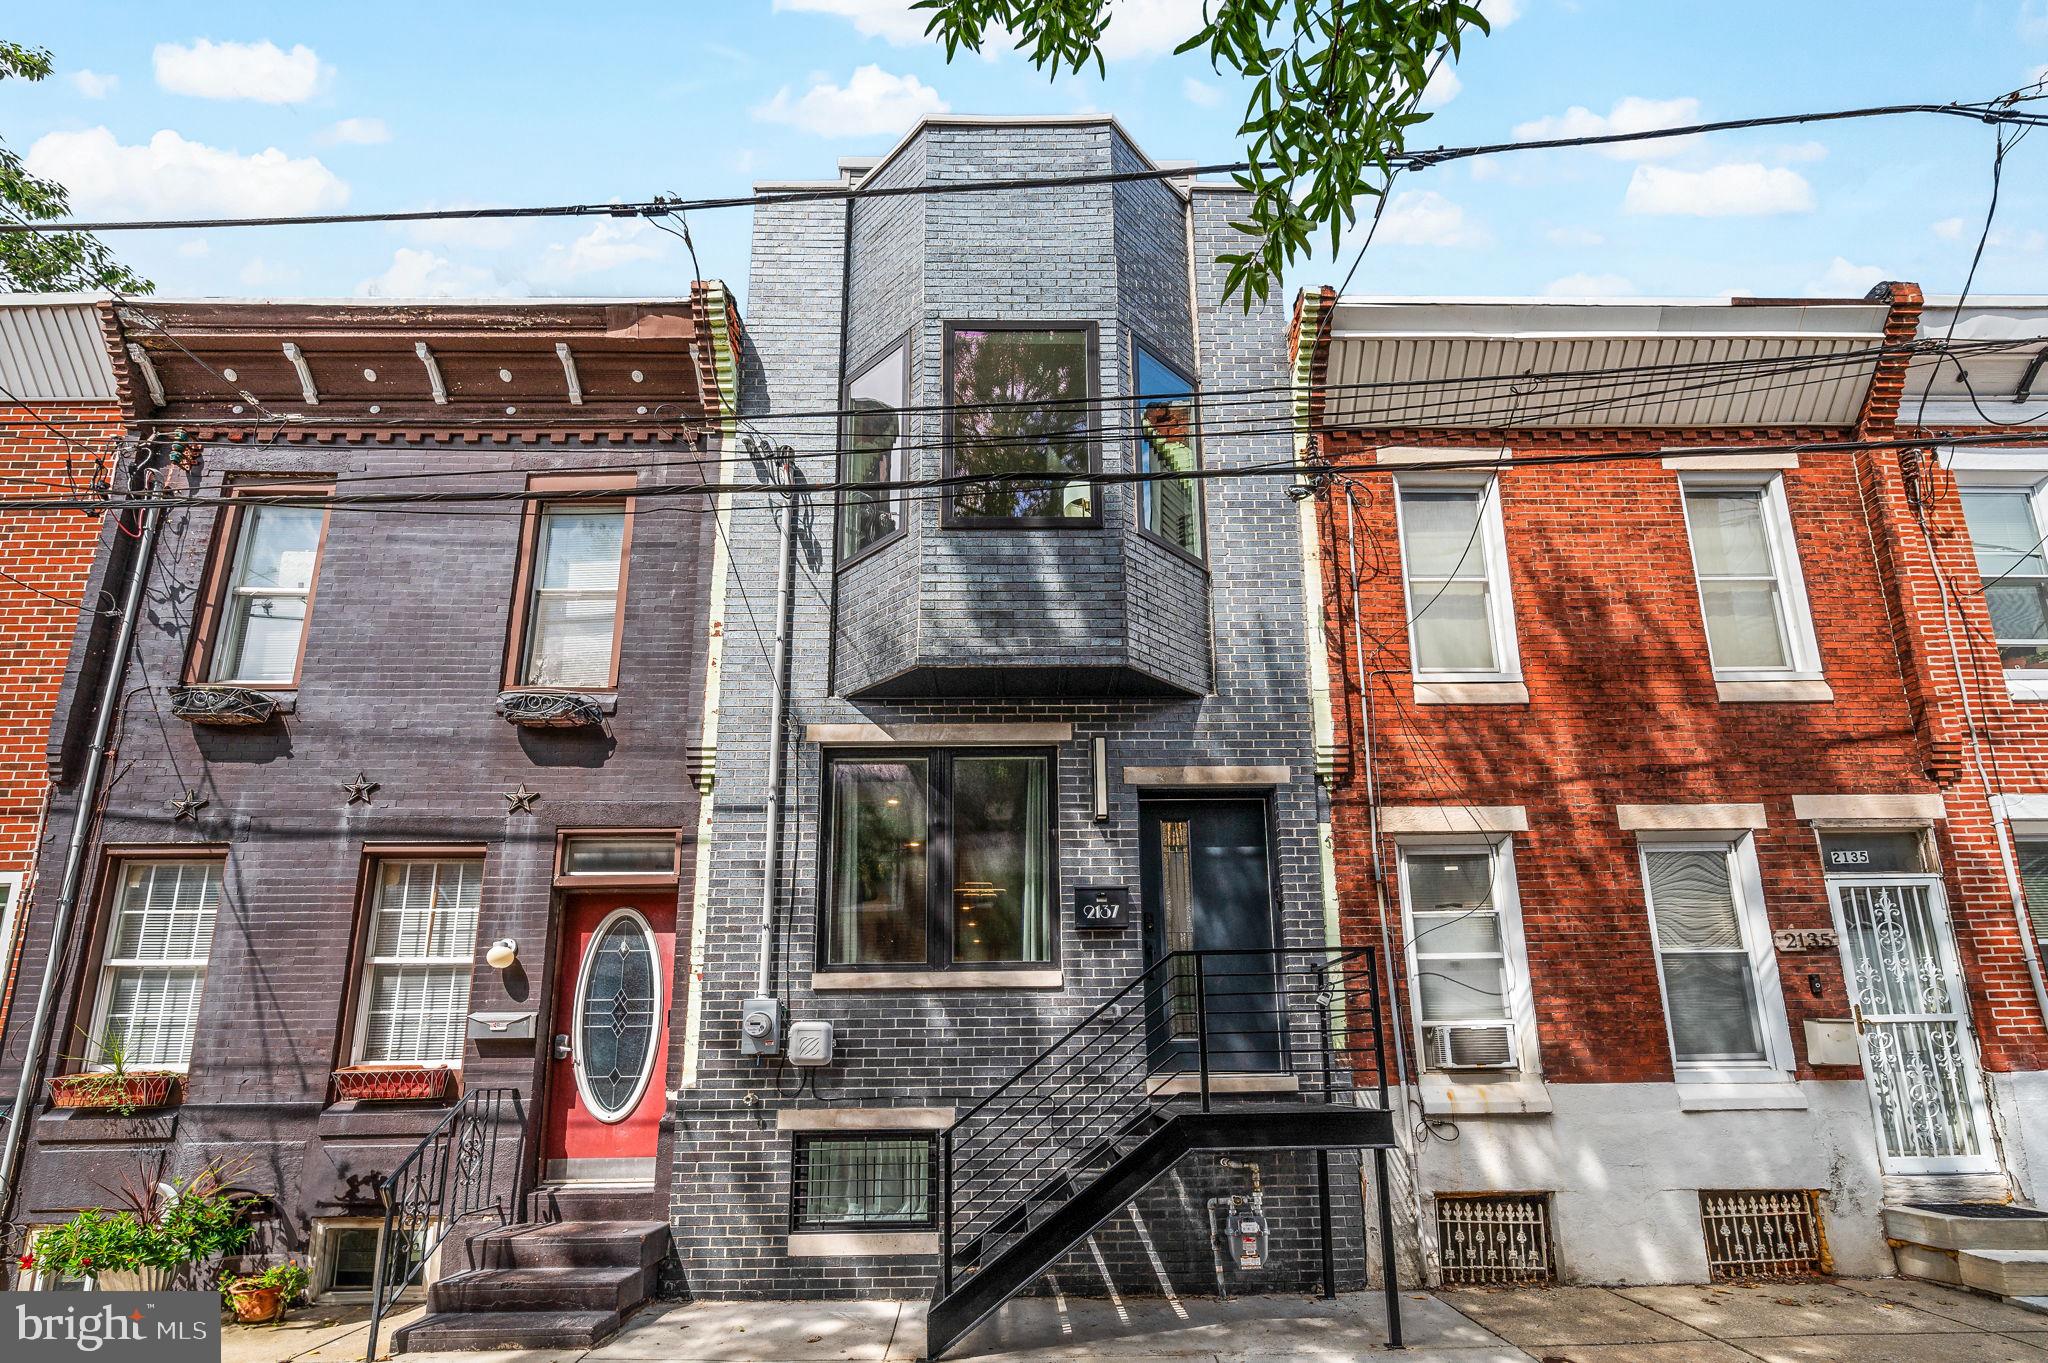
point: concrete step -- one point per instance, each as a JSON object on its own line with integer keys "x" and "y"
{"x": 1961, "y": 1226}
{"x": 542, "y": 1289}
{"x": 2005, "y": 1272}
{"x": 507, "y": 1330}
{"x": 574, "y": 1244}
{"x": 596, "y": 1202}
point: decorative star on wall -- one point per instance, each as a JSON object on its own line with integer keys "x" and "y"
{"x": 188, "y": 807}
{"x": 360, "y": 790}
{"x": 521, "y": 800}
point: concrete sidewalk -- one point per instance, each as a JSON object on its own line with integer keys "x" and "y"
{"x": 1885, "y": 1320}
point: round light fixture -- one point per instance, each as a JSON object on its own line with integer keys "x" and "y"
{"x": 503, "y": 955}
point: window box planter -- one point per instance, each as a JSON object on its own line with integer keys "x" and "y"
{"x": 128, "y": 1092}
{"x": 222, "y": 706}
{"x": 550, "y": 709}
{"x": 390, "y": 1083}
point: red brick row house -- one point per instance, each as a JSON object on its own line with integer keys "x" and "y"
{"x": 1661, "y": 739}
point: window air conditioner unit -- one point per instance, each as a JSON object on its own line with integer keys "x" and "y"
{"x": 1472, "y": 1046}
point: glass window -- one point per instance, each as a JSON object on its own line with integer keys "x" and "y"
{"x": 2005, "y": 528}
{"x": 1169, "y": 508}
{"x": 873, "y": 442}
{"x": 573, "y": 617}
{"x": 158, "y": 940}
{"x": 1019, "y": 404}
{"x": 1458, "y": 953}
{"x": 1710, "y": 989}
{"x": 637, "y": 854}
{"x": 2033, "y": 858}
{"x": 422, "y": 938}
{"x": 939, "y": 858}
{"x": 1459, "y": 614}
{"x": 868, "y": 1182}
{"x": 1742, "y": 554}
{"x": 263, "y": 612}
{"x": 351, "y": 1259}
{"x": 1875, "y": 852}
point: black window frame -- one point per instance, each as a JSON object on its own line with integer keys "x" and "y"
{"x": 799, "y": 1146}
{"x": 905, "y": 343}
{"x": 950, "y": 516}
{"x": 1196, "y": 484}
{"x": 938, "y": 953}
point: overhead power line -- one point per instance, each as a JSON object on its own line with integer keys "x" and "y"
{"x": 2004, "y": 110}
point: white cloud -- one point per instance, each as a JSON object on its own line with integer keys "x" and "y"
{"x": 1590, "y": 286}
{"x": 1845, "y": 279}
{"x": 171, "y": 176}
{"x": 1574, "y": 236}
{"x": 93, "y": 85}
{"x": 422, "y": 274}
{"x": 1735, "y": 190}
{"x": 1443, "y": 87}
{"x": 260, "y": 71}
{"x": 258, "y": 273}
{"x": 872, "y": 101}
{"x": 1798, "y": 151}
{"x": 892, "y": 20}
{"x": 1948, "y": 229}
{"x": 357, "y": 132}
{"x": 192, "y": 248}
{"x": 1631, "y": 114}
{"x": 1501, "y": 13}
{"x": 610, "y": 244}
{"x": 2032, "y": 240}
{"x": 483, "y": 233}
{"x": 1200, "y": 92}
{"x": 1149, "y": 28}
{"x": 1426, "y": 218}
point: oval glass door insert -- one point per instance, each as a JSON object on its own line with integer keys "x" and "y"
{"x": 618, "y": 1012}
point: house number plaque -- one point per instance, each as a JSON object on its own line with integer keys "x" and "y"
{"x": 1102, "y": 906}
{"x": 1806, "y": 939}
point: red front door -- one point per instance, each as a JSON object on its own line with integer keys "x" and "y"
{"x": 609, "y": 1045}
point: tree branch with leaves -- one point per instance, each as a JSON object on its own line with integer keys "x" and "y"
{"x": 48, "y": 262}
{"x": 1334, "y": 90}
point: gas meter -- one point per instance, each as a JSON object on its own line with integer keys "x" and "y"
{"x": 1248, "y": 1233}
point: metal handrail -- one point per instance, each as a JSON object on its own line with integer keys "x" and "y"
{"x": 451, "y": 1175}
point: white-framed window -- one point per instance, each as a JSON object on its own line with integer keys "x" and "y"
{"x": 153, "y": 972}
{"x": 2007, "y": 514}
{"x": 42, "y": 1279}
{"x": 577, "y": 578}
{"x": 1724, "y": 1011}
{"x": 1454, "y": 559}
{"x": 1752, "y": 594}
{"x": 262, "y": 622}
{"x": 418, "y": 962}
{"x": 1467, "y": 969}
{"x": 10, "y": 915}
{"x": 2030, "y": 846}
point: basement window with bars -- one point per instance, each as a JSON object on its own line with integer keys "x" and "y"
{"x": 154, "y": 973}
{"x": 1494, "y": 1239}
{"x": 871, "y": 1183}
{"x": 422, "y": 938}
{"x": 1763, "y": 1233}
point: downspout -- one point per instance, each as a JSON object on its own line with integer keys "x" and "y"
{"x": 82, "y": 823}
{"x": 771, "y": 837}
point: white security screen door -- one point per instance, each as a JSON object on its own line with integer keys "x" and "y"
{"x": 1919, "y": 1058}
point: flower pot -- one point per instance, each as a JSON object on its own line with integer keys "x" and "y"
{"x": 136, "y": 1279}
{"x": 255, "y": 1305}
{"x": 149, "y": 1088}
{"x": 390, "y": 1083}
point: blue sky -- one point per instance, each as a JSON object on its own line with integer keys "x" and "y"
{"x": 168, "y": 110}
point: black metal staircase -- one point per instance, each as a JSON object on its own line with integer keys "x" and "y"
{"x": 1209, "y": 1050}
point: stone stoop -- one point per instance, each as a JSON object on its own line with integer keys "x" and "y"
{"x": 551, "y": 1285}
{"x": 2000, "y": 1249}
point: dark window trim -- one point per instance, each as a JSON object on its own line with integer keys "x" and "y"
{"x": 905, "y": 341}
{"x": 220, "y": 570}
{"x": 600, "y": 490}
{"x": 802, "y": 1140}
{"x": 939, "y": 852}
{"x": 949, "y": 516}
{"x": 1199, "y": 485}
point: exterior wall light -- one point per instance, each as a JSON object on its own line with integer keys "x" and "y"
{"x": 503, "y": 955}
{"x": 1098, "y": 767}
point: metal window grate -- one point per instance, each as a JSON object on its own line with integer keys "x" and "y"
{"x": 881, "y": 1182}
{"x": 1763, "y": 1233}
{"x": 1494, "y": 1238}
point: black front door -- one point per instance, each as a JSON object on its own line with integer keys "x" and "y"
{"x": 1207, "y": 886}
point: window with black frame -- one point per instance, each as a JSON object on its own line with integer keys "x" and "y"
{"x": 1170, "y": 508}
{"x": 1020, "y": 401}
{"x": 938, "y": 858}
{"x": 873, "y": 453}
{"x": 882, "y": 1181}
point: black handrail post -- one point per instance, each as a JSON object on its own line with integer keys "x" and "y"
{"x": 1323, "y": 1011}
{"x": 1390, "y": 1286}
{"x": 1379, "y": 1037}
{"x": 1323, "y": 1211}
{"x": 946, "y": 1213}
{"x": 1202, "y": 1024}
{"x": 377, "y": 1283}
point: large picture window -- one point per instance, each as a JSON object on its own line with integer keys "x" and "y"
{"x": 1461, "y": 617}
{"x": 256, "y": 622}
{"x": 1751, "y": 594}
{"x": 574, "y": 577}
{"x": 1020, "y": 408}
{"x": 1715, "y": 958}
{"x": 873, "y": 441}
{"x": 2005, "y": 529}
{"x": 417, "y": 967}
{"x": 939, "y": 858}
{"x": 1170, "y": 508}
{"x": 159, "y": 936}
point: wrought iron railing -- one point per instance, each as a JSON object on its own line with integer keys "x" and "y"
{"x": 1289, "y": 1025}
{"x": 469, "y": 1165}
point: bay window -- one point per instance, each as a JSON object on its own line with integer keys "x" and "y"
{"x": 417, "y": 965}
{"x": 574, "y": 577}
{"x": 873, "y": 440}
{"x": 1715, "y": 959}
{"x": 937, "y": 858}
{"x": 1461, "y": 619}
{"x": 1751, "y": 593}
{"x": 254, "y": 625}
{"x": 1170, "y": 508}
{"x": 153, "y": 972}
{"x": 1020, "y": 408}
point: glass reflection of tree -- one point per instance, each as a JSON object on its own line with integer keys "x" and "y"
{"x": 871, "y": 438}
{"x": 889, "y": 867}
{"x": 1035, "y": 382}
{"x": 1169, "y": 433}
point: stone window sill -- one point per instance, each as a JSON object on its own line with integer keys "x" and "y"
{"x": 1766, "y": 692}
{"x": 1772, "y": 1096}
{"x": 1510, "y": 1095}
{"x": 823, "y": 981}
{"x": 1472, "y": 693}
{"x": 2030, "y": 685}
{"x": 861, "y": 1244}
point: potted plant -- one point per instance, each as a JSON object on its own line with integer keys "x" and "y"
{"x": 142, "y": 1246}
{"x": 105, "y": 1080}
{"x": 258, "y": 1298}
{"x": 390, "y": 1083}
